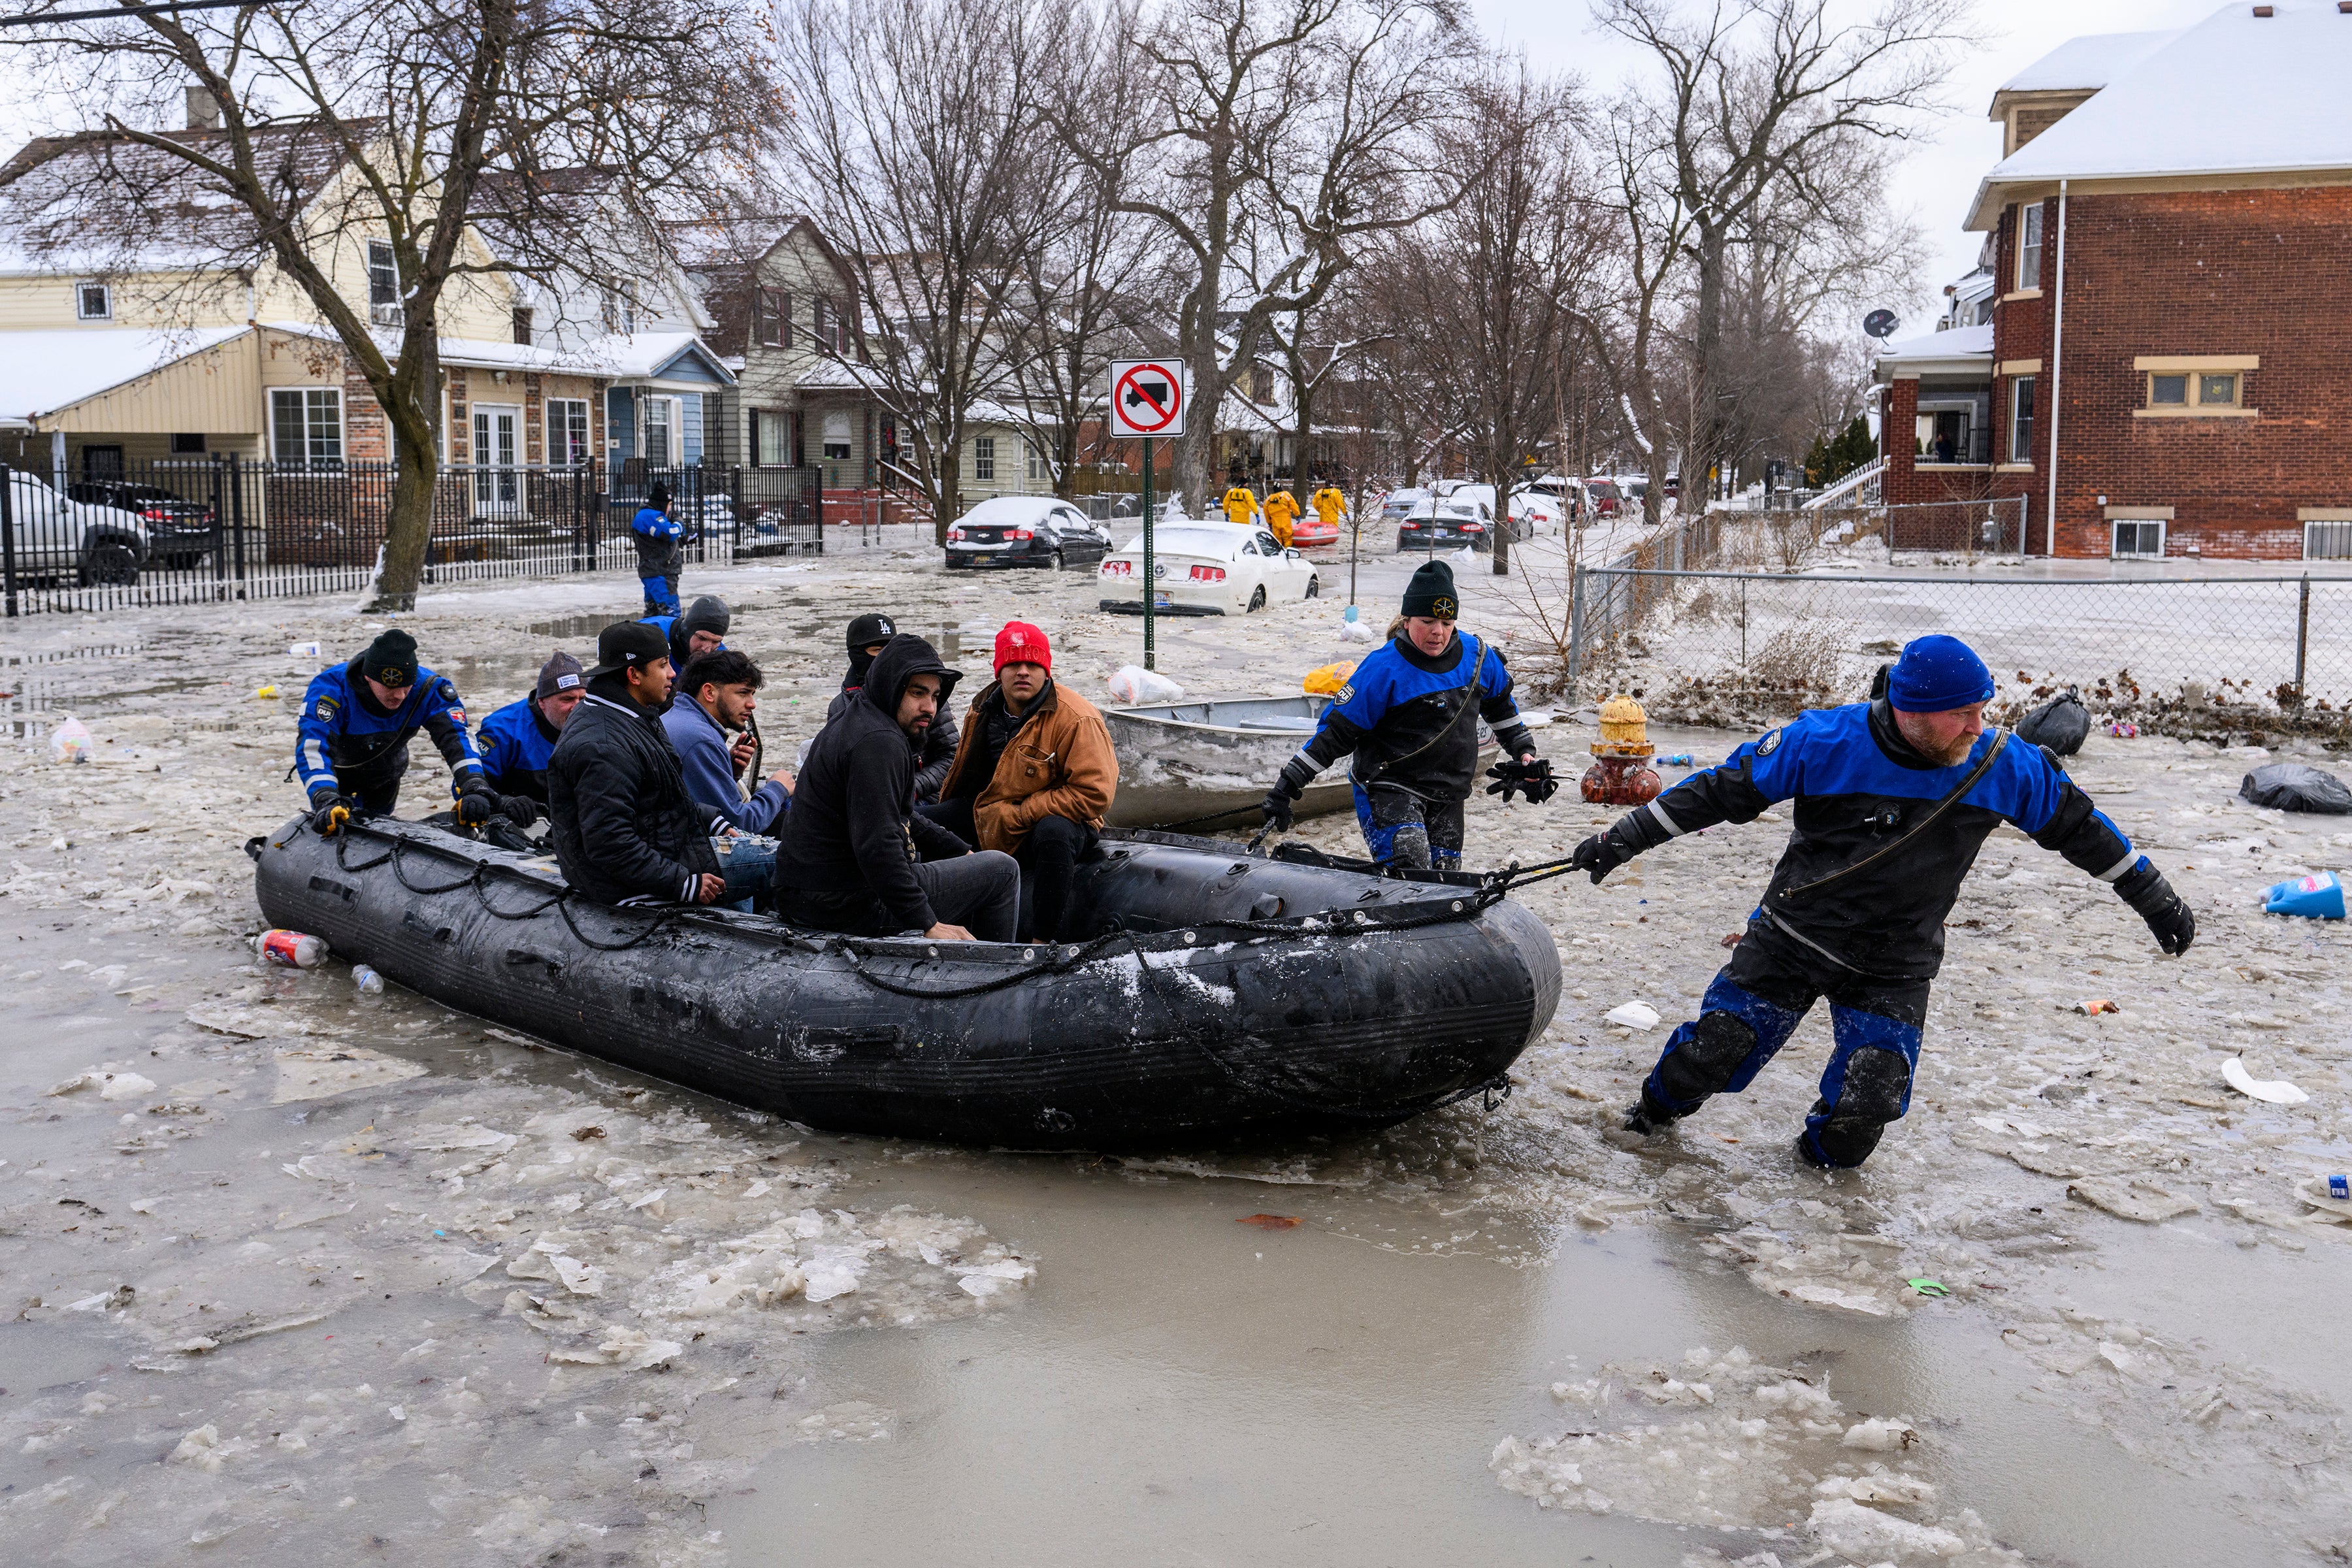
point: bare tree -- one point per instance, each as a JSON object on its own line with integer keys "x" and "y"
{"x": 1276, "y": 135}
{"x": 1766, "y": 95}
{"x": 343, "y": 119}
{"x": 915, "y": 164}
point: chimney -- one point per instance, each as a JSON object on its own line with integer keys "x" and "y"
{"x": 204, "y": 110}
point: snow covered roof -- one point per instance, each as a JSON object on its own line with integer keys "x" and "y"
{"x": 1963, "y": 351}
{"x": 50, "y": 369}
{"x": 2088, "y": 62}
{"x": 2277, "y": 82}
{"x": 617, "y": 357}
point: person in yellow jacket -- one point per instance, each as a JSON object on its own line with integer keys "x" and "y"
{"x": 1240, "y": 504}
{"x": 1281, "y": 511}
{"x": 1329, "y": 506}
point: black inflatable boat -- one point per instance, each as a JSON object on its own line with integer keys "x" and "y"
{"x": 1206, "y": 991}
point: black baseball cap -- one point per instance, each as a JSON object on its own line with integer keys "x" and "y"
{"x": 867, "y": 630}
{"x": 391, "y": 659}
{"x": 628, "y": 645}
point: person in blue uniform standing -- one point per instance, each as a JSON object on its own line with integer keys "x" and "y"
{"x": 1410, "y": 716}
{"x": 1894, "y": 798}
{"x": 516, "y": 741}
{"x": 661, "y": 551}
{"x": 351, "y": 743}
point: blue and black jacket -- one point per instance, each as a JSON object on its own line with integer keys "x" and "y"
{"x": 660, "y": 540}
{"x": 347, "y": 744}
{"x": 514, "y": 742}
{"x": 1858, "y": 787}
{"x": 1411, "y": 719}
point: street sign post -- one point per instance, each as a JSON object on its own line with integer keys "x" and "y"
{"x": 1147, "y": 401}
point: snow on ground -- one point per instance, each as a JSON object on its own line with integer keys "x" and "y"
{"x": 365, "y": 1248}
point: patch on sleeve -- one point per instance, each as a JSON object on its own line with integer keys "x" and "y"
{"x": 323, "y": 709}
{"x": 1347, "y": 695}
{"x": 1768, "y": 745}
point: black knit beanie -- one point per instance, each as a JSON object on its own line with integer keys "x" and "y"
{"x": 1431, "y": 593}
{"x": 391, "y": 659}
{"x": 706, "y": 614}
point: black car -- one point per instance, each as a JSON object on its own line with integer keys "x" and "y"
{"x": 179, "y": 532}
{"x": 1025, "y": 530}
{"x": 1447, "y": 525}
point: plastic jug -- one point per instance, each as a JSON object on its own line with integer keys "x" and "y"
{"x": 2316, "y": 898}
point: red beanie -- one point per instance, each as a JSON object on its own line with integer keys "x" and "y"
{"x": 1021, "y": 643}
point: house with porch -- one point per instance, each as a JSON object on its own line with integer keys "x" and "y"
{"x": 2165, "y": 367}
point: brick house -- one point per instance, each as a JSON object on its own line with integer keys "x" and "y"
{"x": 2166, "y": 369}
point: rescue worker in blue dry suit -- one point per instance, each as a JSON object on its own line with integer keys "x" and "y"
{"x": 516, "y": 741}
{"x": 661, "y": 551}
{"x": 1894, "y": 798}
{"x": 1409, "y": 716}
{"x": 351, "y": 744}
{"x": 699, "y": 628}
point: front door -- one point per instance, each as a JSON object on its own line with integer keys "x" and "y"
{"x": 498, "y": 479}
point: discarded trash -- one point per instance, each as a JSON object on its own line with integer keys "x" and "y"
{"x": 2124, "y": 730}
{"x": 1270, "y": 1221}
{"x": 2339, "y": 1187}
{"x": 2296, "y": 786}
{"x": 1353, "y": 630}
{"x": 1731, "y": 938}
{"x": 1634, "y": 1016}
{"x": 2062, "y": 723}
{"x": 70, "y": 741}
{"x": 1679, "y": 760}
{"x": 1133, "y": 683}
{"x": 109, "y": 1085}
{"x": 291, "y": 949}
{"x": 266, "y": 692}
{"x": 303, "y": 651}
{"x": 1929, "y": 1287}
{"x": 1880, "y": 1435}
{"x": 1325, "y": 680}
{"x": 369, "y": 981}
{"x": 2095, "y": 1006}
{"x": 2277, "y": 1090}
{"x": 2319, "y": 897}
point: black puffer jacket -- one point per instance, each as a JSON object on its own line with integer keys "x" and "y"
{"x": 939, "y": 744}
{"x": 853, "y": 832}
{"x": 625, "y": 827}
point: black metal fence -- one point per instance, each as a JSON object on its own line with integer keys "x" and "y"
{"x": 212, "y": 530}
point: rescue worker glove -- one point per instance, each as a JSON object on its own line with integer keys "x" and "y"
{"x": 519, "y": 809}
{"x": 1277, "y": 810}
{"x": 1626, "y": 837}
{"x": 474, "y": 808}
{"x": 330, "y": 811}
{"x": 2145, "y": 891}
{"x": 1532, "y": 778}
{"x": 1288, "y": 786}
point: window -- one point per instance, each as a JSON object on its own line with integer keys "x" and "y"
{"x": 2217, "y": 391}
{"x": 772, "y": 440}
{"x": 187, "y": 446}
{"x": 101, "y": 464}
{"x": 384, "y": 283}
{"x": 983, "y": 457}
{"x": 522, "y": 315}
{"x": 2163, "y": 390}
{"x": 2140, "y": 537}
{"x": 771, "y": 318}
{"x": 567, "y": 432}
{"x": 2029, "y": 246}
{"x": 2020, "y": 420}
{"x": 2327, "y": 538}
{"x": 306, "y": 426}
{"x": 93, "y": 301}
{"x": 658, "y": 449}
{"x": 619, "y": 312}
{"x": 836, "y": 436}
{"x": 1034, "y": 461}
{"x": 821, "y": 316}
{"x": 2197, "y": 385}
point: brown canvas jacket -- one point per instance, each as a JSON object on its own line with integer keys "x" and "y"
{"x": 1060, "y": 763}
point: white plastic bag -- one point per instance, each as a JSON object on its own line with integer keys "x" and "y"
{"x": 70, "y": 741}
{"x": 1135, "y": 684}
{"x": 1356, "y": 631}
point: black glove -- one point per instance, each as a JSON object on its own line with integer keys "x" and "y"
{"x": 1600, "y": 855}
{"x": 1532, "y": 778}
{"x": 1277, "y": 809}
{"x": 2145, "y": 889}
{"x": 519, "y": 809}
{"x": 330, "y": 811}
{"x": 1288, "y": 786}
{"x": 474, "y": 808}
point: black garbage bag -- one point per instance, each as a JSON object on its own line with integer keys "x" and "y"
{"x": 2296, "y": 786}
{"x": 2061, "y": 724}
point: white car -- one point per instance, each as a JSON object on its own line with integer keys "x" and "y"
{"x": 1207, "y": 569}
{"x": 98, "y": 546}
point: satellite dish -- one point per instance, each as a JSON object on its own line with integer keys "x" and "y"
{"x": 1879, "y": 323}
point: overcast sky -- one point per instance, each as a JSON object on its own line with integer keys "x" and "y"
{"x": 1937, "y": 177}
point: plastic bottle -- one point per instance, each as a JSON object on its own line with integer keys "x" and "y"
{"x": 1679, "y": 760}
{"x": 303, "y": 651}
{"x": 2317, "y": 898}
{"x": 369, "y": 981}
{"x": 70, "y": 741}
{"x": 292, "y": 949}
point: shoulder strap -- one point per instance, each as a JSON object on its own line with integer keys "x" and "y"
{"x": 1984, "y": 766}
{"x": 1463, "y": 704}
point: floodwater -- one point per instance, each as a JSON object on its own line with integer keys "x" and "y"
{"x": 285, "y": 1267}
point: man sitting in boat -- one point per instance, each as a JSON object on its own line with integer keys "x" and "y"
{"x": 516, "y": 741}
{"x": 351, "y": 744}
{"x": 715, "y": 700}
{"x": 625, "y": 829}
{"x": 868, "y": 635}
{"x": 1409, "y": 716}
{"x": 857, "y": 854}
{"x": 1894, "y": 798}
{"x": 1033, "y": 775}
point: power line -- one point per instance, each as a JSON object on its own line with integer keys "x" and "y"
{"x": 122, "y": 11}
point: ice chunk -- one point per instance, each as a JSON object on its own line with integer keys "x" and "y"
{"x": 632, "y": 1350}
{"x": 1880, "y": 1436}
{"x": 109, "y": 1085}
{"x": 2130, "y": 1199}
{"x": 317, "y": 1073}
{"x": 1866, "y": 1535}
{"x": 1634, "y": 1016}
{"x": 201, "y": 1448}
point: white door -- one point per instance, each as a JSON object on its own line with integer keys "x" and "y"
{"x": 498, "y": 479}
{"x": 660, "y": 449}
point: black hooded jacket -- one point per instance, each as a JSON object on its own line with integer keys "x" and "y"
{"x": 624, "y": 829}
{"x": 939, "y": 744}
{"x": 853, "y": 829}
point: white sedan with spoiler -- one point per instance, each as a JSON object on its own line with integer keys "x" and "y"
{"x": 1202, "y": 568}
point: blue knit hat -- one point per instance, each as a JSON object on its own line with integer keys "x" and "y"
{"x": 1937, "y": 673}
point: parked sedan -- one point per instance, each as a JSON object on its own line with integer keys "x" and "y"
{"x": 180, "y": 531}
{"x": 1207, "y": 569}
{"x": 1447, "y": 524}
{"x": 1027, "y": 530}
